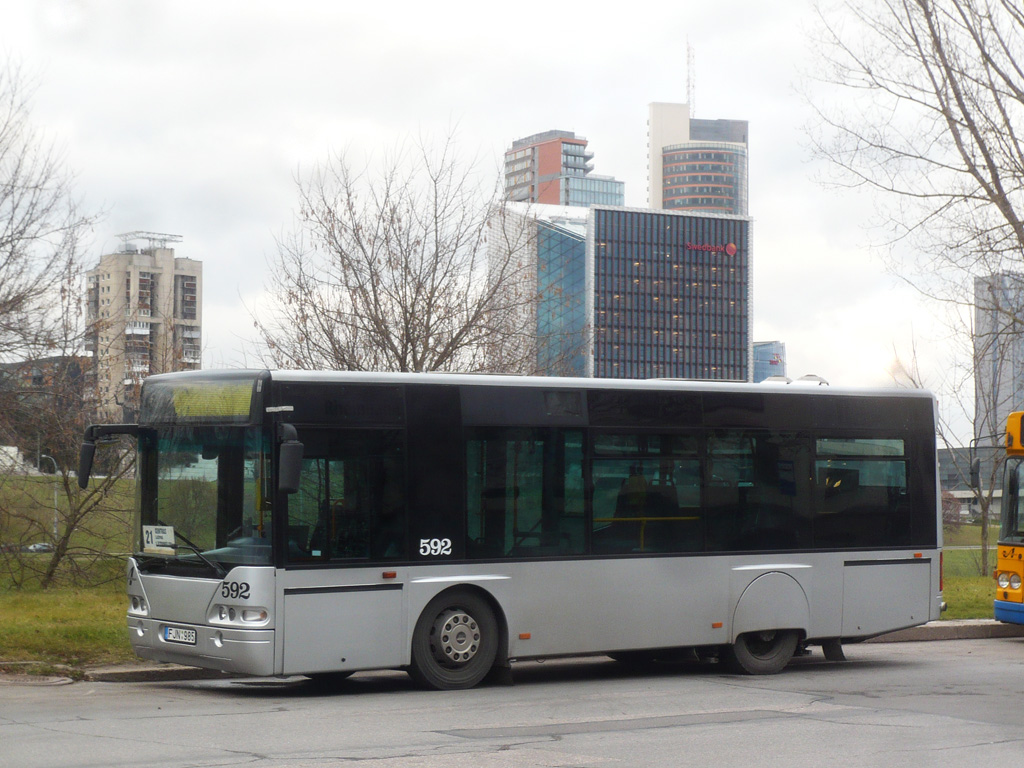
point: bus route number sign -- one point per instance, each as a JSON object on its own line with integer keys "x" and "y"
{"x": 435, "y": 547}
{"x": 158, "y": 539}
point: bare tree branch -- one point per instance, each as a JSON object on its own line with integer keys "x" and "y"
{"x": 45, "y": 394}
{"x": 40, "y": 227}
{"x": 394, "y": 271}
{"x": 933, "y": 104}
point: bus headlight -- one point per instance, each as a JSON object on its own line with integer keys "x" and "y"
{"x": 1003, "y": 580}
{"x": 1014, "y": 581}
{"x": 229, "y": 614}
{"x": 138, "y": 606}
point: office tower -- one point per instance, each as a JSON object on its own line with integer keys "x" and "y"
{"x": 669, "y": 294}
{"x": 547, "y": 293}
{"x": 144, "y": 315}
{"x": 554, "y": 168}
{"x": 769, "y": 359}
{"x": 998, "y": 353}
{"x": 634, "y": 293}
{"x": 696, "y": 164}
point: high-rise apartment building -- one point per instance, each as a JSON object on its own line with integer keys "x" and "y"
{"x": 998, "y": 353}
{"x": 144, "y": 314}
{"x": 634, "y": 293}
{"x": 695, "y": 164}
{"x": 554, "y": 168}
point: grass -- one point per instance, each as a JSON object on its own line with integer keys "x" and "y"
{"x": 967, "y": 591}
{"x": 968, "y": 597}
{"x": 963, "y": 563}
{"x": 968, "y": 535}
{"x": 65, "y": 626}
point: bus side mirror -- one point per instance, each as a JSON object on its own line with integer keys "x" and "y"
{"x": 289, "y": 463}
{"x": 85, "y": 455}
{"x": 99, "y": 433}
{"x": 976, "y": 473}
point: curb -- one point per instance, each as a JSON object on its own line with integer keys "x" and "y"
{"x": 145, "y": 673}
{"x": 975, "y": 629}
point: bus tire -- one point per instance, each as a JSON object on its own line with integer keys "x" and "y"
{"x": 762, "y": 653}
{"x": 455, "y": 642}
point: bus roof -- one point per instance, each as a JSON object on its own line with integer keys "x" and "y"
{"x": 502, "y": 380}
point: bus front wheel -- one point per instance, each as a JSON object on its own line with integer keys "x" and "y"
{"x": 762, "y": 653}
{"x": 455, "y": 642}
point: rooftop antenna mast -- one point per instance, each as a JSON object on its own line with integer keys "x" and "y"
{"x": 691, "y": 78}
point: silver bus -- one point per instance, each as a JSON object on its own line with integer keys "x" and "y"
{"x": 304, "y": 523}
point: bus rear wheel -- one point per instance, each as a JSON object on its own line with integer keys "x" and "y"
{"x": 762, "y": 653}
{"x": 455, "y": 642}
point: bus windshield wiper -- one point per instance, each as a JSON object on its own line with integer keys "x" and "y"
{"x": 215, "y": 566}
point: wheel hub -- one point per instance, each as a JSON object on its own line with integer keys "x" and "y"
{"x": 763, "y": 642}
{"x": 454, "y": 637}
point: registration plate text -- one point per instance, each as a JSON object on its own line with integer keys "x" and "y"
{"x": 180, "y": 635}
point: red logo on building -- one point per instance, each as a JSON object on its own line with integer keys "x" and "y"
{"x": 728, "y": 248}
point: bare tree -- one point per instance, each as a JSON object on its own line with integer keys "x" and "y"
{"x": 45, "y": 394}
{"x": 932, "y": 103}
{"x": 48, "y": 403}
{"x": 977, "y": 350}
{"x": 393, "y": 271}
{"x": 928, "y": 117}
{"x": 40, "y": 228}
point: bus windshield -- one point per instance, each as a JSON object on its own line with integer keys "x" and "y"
{"x": 203, "y": 500}
{"x": 1012, "y": 529}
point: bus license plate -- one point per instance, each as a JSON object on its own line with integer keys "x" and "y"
{"x": 180, "y": 635}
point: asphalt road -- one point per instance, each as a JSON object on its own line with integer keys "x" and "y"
{"x": 948, "y": 703}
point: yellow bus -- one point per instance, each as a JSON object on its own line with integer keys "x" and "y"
{"x": 1009, "y": 573}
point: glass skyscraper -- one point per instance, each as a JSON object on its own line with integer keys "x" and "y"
{"x": 696, "y": 164}
{"x": 561, "y": 309}
{"x": 636, "y": 293}
{"x": 769, "y": 359}
{"x": 668, "y": 294}
{"x": 705, "y": 176}
{"x": 998, "y": 353}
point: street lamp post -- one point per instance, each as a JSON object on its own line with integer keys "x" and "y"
{"x": 55, "y": 472}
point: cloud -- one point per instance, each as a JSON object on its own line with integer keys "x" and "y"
{"x": 194, "y": 118}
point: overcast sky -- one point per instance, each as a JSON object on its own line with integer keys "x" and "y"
{"x": 193, "y": 118}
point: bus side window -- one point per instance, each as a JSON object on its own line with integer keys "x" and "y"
{"x": 524, "y": 489}
{"x": 862, "y": 497}
{"x": 351, "y": 497}
{"x": 759, "y": 498}
{"x": 646, "y": 494}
